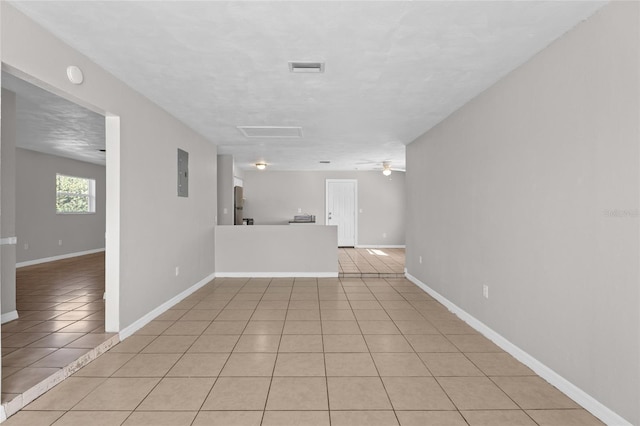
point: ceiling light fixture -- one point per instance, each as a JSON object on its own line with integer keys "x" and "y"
{"x": 386, "y": 168}
{"x": 261, "y": 166}
{"x": 307, "y": 67}
{"x": 74, "y": 74}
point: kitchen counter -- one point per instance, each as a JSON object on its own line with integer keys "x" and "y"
{"x": 277, "y": 251}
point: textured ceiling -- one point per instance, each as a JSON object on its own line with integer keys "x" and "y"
{"x": 393, "y": 69}
{"x": 47, "y": 123}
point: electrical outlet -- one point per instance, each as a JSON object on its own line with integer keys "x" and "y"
{"x": 485, "y": 291}
{"x": 420, "y": 260}
{"x": 384, "y": 235}
{"x": 224, "y": 211}
{"x": 59, "y": 242}
{"x": 26, "y": 246}
{"x": 177, "y": 271}
{"x": 299, "y": 210}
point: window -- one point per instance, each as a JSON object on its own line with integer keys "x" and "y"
{"x": 75, "y": 195}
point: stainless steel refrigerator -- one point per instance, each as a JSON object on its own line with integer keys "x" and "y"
{"x": 238, "y": 203}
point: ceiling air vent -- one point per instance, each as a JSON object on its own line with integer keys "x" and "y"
{"x": 271, "y": 131}
{"x": 325, "y": 162}
{"x": 306, "y": 66}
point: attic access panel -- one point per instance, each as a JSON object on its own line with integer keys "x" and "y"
{"x": 183, "y": 173}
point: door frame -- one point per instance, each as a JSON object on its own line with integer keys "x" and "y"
{"x": 355, "y": 203}
{"x": 112, "y": 196}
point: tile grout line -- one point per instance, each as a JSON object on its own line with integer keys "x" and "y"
{"x": 324, "y": 356}
{"x": 215, "y": 381}
{"x": 275, "y": 363}
{"x": 376, "y": 365}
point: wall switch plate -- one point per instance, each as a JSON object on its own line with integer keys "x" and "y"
{"x": 177, "y": 271}
{"x": 225, "y": 211}
{"x": 420, "y": 259}
{"x": 485, "y": 291}
{"x": 299, "y": 210}
{"x": 59, "y": 242}
{"x": 26, "y": 246}
{"x": 384, "y": 235}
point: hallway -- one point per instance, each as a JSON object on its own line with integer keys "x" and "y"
{"x": 371, "y": 262}
{"x": 305, "y": 352}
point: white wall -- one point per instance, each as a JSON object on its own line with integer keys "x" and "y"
{"x": 7, "y": 204}
{"x": 37, "y": 223}
{"x": 225, "y": 190}
{"x": 533, "y": 189}
{"x": 274, "y": 198}
{"x": 158, "y": 230}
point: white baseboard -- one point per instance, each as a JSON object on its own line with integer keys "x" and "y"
{"x": 9, "y": 316}
{"x": 381, "y": 246}
{"x": 54, "y": 258}
{"x": 592, "y": 405}
{"x": 3, "y": 414}
{"x": 276, "y": 275}
{"x": 137, "y": 325}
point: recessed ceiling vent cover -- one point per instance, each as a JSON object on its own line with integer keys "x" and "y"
{"x": 306, "y": 66}
{"x": 271, "y": 131}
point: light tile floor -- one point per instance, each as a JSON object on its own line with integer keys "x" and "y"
{"x": 371, "y": 263}
{"x": 61, "y": 318}
{"x": 305, "y": 352}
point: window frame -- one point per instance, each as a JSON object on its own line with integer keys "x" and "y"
{"x": 90, "y": 195}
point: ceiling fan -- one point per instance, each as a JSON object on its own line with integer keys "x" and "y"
{"x": 386, "y": 168}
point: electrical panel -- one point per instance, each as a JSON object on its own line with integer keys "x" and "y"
{"x": 183, "y": 173}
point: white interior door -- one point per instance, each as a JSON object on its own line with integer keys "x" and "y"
{"x": 341, "y": 209}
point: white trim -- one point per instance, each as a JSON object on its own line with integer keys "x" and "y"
{"x": 9, "y": 316}
{"x": 381, "y": 246}
{"x": 137, "y": 325}
{"x": 355, "y": 205}
{"x": 8, "y": 241}
{"x": 112, "y": 225}
{"x": 54, "y": 258}
{"x": 3, "y": 414}
{"x": 276, "y": 275}
{"x": 572, "y": 391}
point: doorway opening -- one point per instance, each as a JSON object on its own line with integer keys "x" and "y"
{"x": 63, "y": 277}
